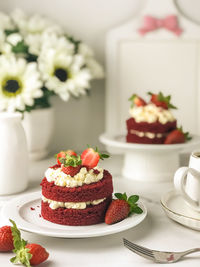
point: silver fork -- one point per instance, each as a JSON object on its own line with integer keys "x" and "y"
{"x": 158, "y": 256}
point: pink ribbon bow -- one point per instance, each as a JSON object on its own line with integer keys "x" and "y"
{"x": 151, "y": 24}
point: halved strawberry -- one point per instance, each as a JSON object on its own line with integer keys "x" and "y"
{"x": 161, "y": 101}
{"x": 136, "y": 100}
{"x": 62, "y": 154}
{"x": 121, "y": 208}
{"x": 71, "y": 164}
{"x": 69, "y": 170}
{"x": 39, "y": 253}
{"x": 177, "y": 136}
{"x": 91, "y": 157}
{"x": 26, "y": 254}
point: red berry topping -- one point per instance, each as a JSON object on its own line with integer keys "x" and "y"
{"x": 39, "y": 254}
{"x": 121, "y": 208}
{"x": 6, "y": 239}
{"x": 91, "y": 157}
{"x": 137, "y": 101}
{"x": 177, "y": 136}
{"x": 161, "y": 101}
{"x": 69, "y": 170}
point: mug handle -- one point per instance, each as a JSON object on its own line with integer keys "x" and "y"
{"x": 179, "y": 183}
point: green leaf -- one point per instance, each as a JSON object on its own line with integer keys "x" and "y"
{"x": 137, "y": 210}
{"x": 119, "y": 195}
{"x": 8, "y": 32}
{"x": 133, "y": 198}
{"x": 20, "y": 47}
{"x": 22, "y": 253}
{"x": 125, "y": 196}
{"x": 73, "y": 161}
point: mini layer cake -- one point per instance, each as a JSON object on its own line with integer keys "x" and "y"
{"x": 150, "y": 123}
{"x": 76, "y": 195}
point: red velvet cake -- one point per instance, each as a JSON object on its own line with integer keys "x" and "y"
{"x": 152, "y": 122}
{"x": 76, "y": 191}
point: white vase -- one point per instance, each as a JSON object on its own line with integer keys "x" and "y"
{"x": 39, "y": 126}
{"x": 14, "y": 154}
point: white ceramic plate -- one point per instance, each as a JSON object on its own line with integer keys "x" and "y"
{"x": 25, "y": 211}
{"x": 119, "y": 141}
{"x": 178, "y": 210}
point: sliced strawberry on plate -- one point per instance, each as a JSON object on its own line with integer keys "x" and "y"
{"x": 137, "y": 101}
{"x": 177, "y": 136}
{"x": 91, "y": 157}
{"x": 6, "y": 238}
{"x": 62, "y": 154}
{"x": 121, "y": 208}
{"x": 161, "y": 101}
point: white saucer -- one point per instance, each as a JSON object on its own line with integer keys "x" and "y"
{"x": 178, "y": 210}
{"x": 25, "y": 211}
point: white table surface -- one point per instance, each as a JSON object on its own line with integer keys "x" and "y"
{"x": 157, "y": 231}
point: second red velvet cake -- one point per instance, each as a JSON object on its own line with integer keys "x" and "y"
{"x": 76, "y": 191}
{"x": 151, "y": 122}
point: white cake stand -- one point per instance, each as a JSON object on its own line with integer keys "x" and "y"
{"x": 146, "y": 162}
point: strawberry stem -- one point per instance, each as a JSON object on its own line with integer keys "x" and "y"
{"x": 22, "y": 253}
{"x": 73, "y": 161}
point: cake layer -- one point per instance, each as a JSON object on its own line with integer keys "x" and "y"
{"x": 70, "y": 205}
{"x": 88, "y": 216}
{"x": 93, "y": 191}
{"x": 155, "y": 127}
{"x": 132, "y": 138}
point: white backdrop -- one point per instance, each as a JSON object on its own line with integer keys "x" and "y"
{"x": 79, "y": 122}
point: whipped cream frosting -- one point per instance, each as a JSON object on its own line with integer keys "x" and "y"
{"x": 151, "y": 113}
{"x": 82, "y": 177}
{"x": 70, "y": 205}
{"x": 146, "y": 134}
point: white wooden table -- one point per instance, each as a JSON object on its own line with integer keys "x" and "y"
{"x": 157, "y": 231}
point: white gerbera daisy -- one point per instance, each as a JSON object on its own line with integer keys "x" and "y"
{"x": 94, "y": 67}
{"x": 19, "y": 83}
{"x": 62, "y": 71}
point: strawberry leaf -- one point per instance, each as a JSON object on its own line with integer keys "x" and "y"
{"x": 137, "y": 210}
{"x": 121, "y": 196}
{"x": 22, "y": 253}
{"x": 73, "y": 161}
{"x": 133, "y": 199}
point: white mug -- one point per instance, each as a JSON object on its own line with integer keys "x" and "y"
{"x": 187, "y": 181}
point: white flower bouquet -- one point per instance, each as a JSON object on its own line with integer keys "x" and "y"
{"x": 39, "y": 60}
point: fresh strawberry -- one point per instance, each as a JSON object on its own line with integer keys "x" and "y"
{"x": 91, "y": 157}
{"x": 39, "y": 254}
{"x": 62, "y": 154}
{"x": 121, "y": 208}
{"x": 177, "y": 136}
{"x": 70, "y": 170}
{"x": 71, "y": 164}
{"x": 6, "y": 239}
{"x": 26, "y": 254}
{"x": 136, "y": 100}
{"x": 161, "y": 101}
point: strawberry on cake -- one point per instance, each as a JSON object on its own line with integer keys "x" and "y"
{"x": 76, "y": 191}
